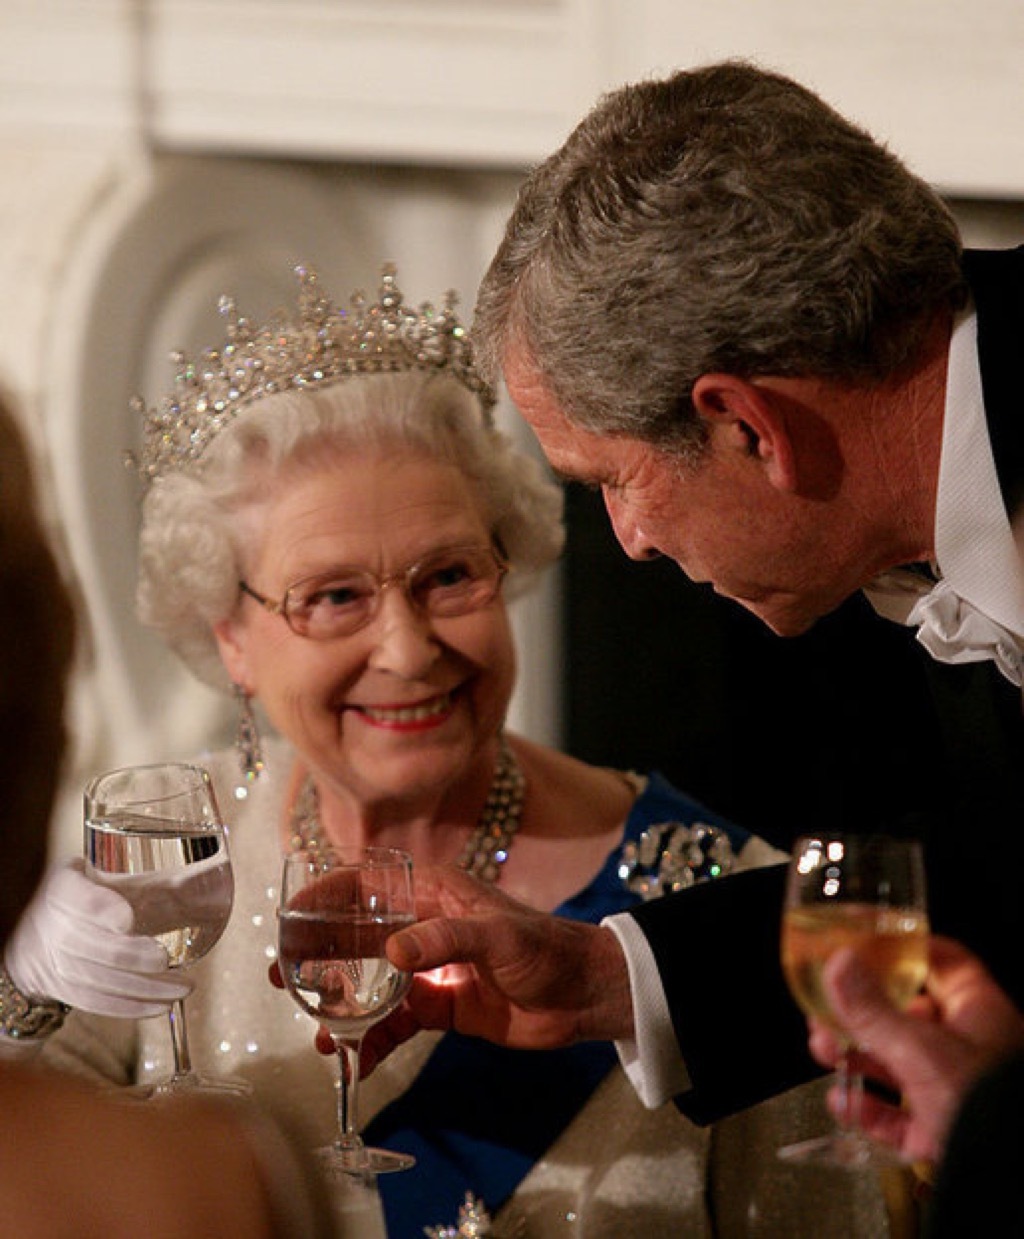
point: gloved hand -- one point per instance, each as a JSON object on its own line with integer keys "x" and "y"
{"x": 75, "y": 943}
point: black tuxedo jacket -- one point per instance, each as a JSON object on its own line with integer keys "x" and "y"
{"x": 717, "y": 945}
{"x": 977, "y": 1191}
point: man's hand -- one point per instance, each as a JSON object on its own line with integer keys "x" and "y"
{"x": 931, "y": 1054}
{"x": 491, "y": 967}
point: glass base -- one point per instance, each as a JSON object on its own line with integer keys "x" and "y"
{"x": 361, "y": 1162}
{"x": 189, "y": 1082}
{"x": 848, "y": 1150}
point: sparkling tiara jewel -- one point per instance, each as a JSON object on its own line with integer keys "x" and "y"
{"x": 320, "y": 345}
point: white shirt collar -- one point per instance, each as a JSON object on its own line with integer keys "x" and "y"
{"x": 974, "y": 543}
{"x": 976, "y": 611}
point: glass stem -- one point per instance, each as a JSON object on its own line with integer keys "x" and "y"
{"x": 350, "y": 1144}
{"x": 179, "y": 1039}
{"x": 851, "y": 1087}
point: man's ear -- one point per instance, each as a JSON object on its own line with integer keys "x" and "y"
{"x": 748, "y": 418}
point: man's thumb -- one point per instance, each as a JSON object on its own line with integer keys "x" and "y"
{"x": 858, "y": 999}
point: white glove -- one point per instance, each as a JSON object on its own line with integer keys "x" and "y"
{"x": 198, "y": 895}
{"x": 75, "y": 943}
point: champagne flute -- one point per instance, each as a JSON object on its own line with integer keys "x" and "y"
{"x": 155, "y": 835}
{"x": 867, "y": 893}
{"x": 337, "y": 908}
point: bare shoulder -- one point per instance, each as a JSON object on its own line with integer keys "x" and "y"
{"x": 69, "y": 1140}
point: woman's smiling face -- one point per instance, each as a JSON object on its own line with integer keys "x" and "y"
{"x": 401, "y": 706}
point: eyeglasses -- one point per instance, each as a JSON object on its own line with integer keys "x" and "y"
{"x": 446, "y": 583}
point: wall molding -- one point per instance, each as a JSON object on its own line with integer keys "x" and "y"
{"x": 498, "y": 83}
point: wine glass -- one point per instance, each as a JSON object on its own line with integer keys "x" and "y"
{"x": 337, "y": 908}
{"x": 155, "y": 835}
{"x": 867, "y": 893}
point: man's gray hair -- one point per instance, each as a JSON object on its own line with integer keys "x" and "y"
{"x": 723, "y": 219}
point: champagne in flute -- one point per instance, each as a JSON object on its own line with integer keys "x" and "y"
{"x": 892, "y": 943}
{"x": 865, "y": 893}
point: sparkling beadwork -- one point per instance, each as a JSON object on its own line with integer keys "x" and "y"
{"x": 474, "y": 1222}
{"x": 672, "y": 856}
{"x": 320, "y": 346}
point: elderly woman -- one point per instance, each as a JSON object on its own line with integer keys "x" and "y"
{"x": 333, "y": 527}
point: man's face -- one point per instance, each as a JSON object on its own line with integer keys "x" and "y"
{"x": 783, "y": 556}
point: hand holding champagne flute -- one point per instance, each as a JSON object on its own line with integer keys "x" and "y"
{"x": 866, "y": 893}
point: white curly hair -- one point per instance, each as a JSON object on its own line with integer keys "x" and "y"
{"x": 196, "y": 531}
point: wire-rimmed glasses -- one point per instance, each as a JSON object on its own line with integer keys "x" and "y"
{"x": 446, "y": 583}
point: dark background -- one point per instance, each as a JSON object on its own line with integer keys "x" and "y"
{"x": 850, "y": 726}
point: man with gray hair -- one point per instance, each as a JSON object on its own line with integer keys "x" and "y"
{"x": 757, "y": 333}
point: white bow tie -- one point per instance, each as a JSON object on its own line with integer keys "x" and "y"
{"x": 954, "y": 631}
{"x": 950, "y": 628}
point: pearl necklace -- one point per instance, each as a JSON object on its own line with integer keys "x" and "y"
{"x": 484, "y": 852}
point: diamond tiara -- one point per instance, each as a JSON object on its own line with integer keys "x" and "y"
{"x": 320, "y": 346}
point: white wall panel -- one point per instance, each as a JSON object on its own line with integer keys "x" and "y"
{"x": 499, "y": 82}
{"x": 940, "y": 81}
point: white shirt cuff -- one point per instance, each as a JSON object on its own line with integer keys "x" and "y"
{"x": 651, "y": 1060}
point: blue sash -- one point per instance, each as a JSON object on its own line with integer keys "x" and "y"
{"x": 479, "y": 1116}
